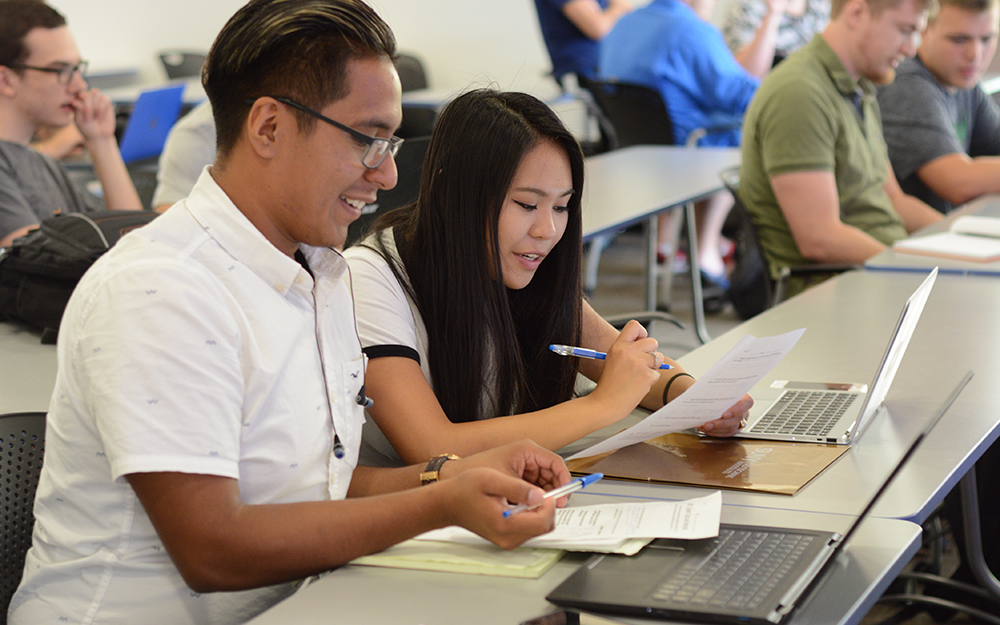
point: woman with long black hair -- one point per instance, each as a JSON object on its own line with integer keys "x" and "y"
{"x": 460, "y": 294}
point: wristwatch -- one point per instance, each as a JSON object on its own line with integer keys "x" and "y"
{"x": 432, "y": 471}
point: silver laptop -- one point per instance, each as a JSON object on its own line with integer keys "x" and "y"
{"x": 747, "y": 575}
{"x": 835, "y": 413}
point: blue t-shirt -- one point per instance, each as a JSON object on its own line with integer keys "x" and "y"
{"x": 571, "y": 51}
{"x": 666, "y": 46}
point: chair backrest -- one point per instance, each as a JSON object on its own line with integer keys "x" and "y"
{"x": 417, "y": 120}
{"x": 411, "y": 72}
{"x": 409, "y": 162}
{"x": 751, "y": 290}
{"x": 636, "y": 114}
{"x": 22, "y": 444}
{"x": 181, "y": 63}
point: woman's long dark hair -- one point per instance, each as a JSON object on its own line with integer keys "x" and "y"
{"x": 485, "y": 340}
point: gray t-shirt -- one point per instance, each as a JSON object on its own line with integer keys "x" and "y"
{"x": 34, "y": 187}
{"x": 923, "y": 121}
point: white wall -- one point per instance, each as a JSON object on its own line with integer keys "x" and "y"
{"x": 461, "y": 41}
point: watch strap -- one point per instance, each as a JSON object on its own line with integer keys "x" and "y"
{"x": 432, "y": 472}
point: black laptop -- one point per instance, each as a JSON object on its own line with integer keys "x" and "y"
{"x": 748, "y": 574}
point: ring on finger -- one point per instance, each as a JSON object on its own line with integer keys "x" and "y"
{"x": 743, "y": 423}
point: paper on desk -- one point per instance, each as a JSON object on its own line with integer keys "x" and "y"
{"x": 618, "y": 527}
{"x": 487, "y": 559}
{"x": 723, "y": 385}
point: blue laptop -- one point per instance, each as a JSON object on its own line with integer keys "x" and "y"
{"x": 153, "y": 115}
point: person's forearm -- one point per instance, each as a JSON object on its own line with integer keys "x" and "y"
{"x": 960, "y": 179}
{"x": 757, "y": 56}
{"x": 119, "y": 192}
{"x": 551, "y": 428}
{"x": 654, "y": 399}
{"x": 232, "y": 546}
{"x": 914, "y": 213}
{"x": 370, "y": 481}
{"x": 593, "y": 21}
{"x": 839, "y": 244}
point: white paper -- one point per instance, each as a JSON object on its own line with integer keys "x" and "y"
{"x": 718, "y": 389}
{"x": 976, "y": 225}
{"x": 604, "y": 527}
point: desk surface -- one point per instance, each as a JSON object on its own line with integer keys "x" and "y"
{"x": 891, "y": 260}
{"x": 27, "y": 370}
{"x": 127, "y": 95}
{"x": 627, "y": 186}
{"x": 848, "y": 321}
{"x": 358, "y": 594}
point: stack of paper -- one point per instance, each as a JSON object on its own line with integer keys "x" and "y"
{"x": 969, "y": 238}
{"x": 615, "y": 528}
{"x": 488, "y": 559}
{"x": 609, "y": 528}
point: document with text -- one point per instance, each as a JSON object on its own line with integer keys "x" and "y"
{"x": 610, "y": 527}
{"x": 719, "y": 388}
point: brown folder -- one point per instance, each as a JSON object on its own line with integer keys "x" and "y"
{"x": 737, "y": 464}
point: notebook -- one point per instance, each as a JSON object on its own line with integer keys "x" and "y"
{"x": 153, "y": 115}
{"x": 748, "y": 574}
{"x": 835, "y": 413}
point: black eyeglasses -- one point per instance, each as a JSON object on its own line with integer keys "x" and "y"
{"x": 64, "y": 74}
{"x": 378, "y": 148}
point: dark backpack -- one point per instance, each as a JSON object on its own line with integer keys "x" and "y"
{"x": 39, "y": 271}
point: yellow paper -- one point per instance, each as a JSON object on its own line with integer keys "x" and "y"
{"x": 462, "y": 558}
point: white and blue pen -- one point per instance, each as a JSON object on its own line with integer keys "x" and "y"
{"x": 583, "y": 352}
{"x": 569, "y": 487}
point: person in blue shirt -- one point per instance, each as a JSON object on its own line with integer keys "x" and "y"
{"x": 670, "y": 45}
{"x": 572, "y": 29}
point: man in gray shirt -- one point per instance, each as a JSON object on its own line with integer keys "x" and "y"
{"x": 942, "y": 129}
{"x": 42, "y": 85}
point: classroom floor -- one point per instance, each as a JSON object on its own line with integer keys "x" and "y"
{"x": 621, "y": 288}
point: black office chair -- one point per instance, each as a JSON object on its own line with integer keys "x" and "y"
{"x": 418, "y": 121}
{"x": 412, "y": 75}
{"x": 626, "y": 115}
{"x": 182, "y": 63}
{"x": 409, "y": 161}
{"x": 752, "y": 290}
{"x": 22, "y": 443}
{"x": 631, "y": 114}
{"x": 143, "y": 174}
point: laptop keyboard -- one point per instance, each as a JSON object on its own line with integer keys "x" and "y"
{"x": 745, "y": 567}
{"x": 805, "y": 413}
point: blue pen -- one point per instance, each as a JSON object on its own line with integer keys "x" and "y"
{"x": 569, "y": 487}
{"x": 583, "y": 352}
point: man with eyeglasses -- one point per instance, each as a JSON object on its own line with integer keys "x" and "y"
{"x": 204, "y": 435}
{"x": 42, "y": 86}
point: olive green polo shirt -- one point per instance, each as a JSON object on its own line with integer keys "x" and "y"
{"x": 811, "y": 115}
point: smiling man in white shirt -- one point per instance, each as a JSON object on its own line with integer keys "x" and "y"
{"x": 203, "y": 436}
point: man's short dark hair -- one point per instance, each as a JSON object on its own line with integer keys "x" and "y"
{"x": 878, "y": 6}
{"x": 971, "y": 6}
{"x": 17, "y": 19}
{"x": 298, "y": 49}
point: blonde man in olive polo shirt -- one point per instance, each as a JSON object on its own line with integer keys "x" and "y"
{"x": 816, "y": 175}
